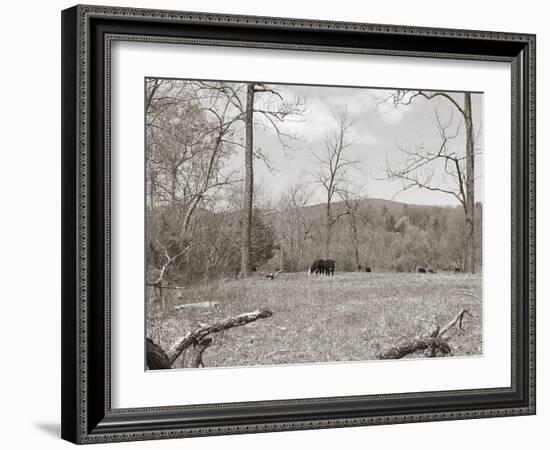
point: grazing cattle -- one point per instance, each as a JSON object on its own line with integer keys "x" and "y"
{"x": 323, "y": 267}
{"x": 421, "y": 270}
{"x": 368, "y": 269}
{"x": 317, "y": 267}
{"x": 329, "y": 266}
{"x": 253, "y": 269}
{"x": 458, "y": 269}
{"x": 431, "y": 271}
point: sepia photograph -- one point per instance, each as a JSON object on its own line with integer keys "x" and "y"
{"x": 282, "y": 222}
{"x": 301, "y": 224}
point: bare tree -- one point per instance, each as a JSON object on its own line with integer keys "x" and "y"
{"x": 270, "y": 110}
{"x": 299, "y": 199}
{"x": 255, "y": 105}
{"x": 333, "y": 165}
{"x": 460, "y": 167}
{"x": 248, "y": 199}
{"x": 353, "y": 198}
{"x": 293, "y": 228}
{"x": 189, "y": 138}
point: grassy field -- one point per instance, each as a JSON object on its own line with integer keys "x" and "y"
{"x": 350, "y": 317}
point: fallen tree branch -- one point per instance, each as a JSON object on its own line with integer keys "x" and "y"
{"x": 194, "y": 354}
{"x": 458, "y": 318}
{"x": 157, "y": 358}
{"x": 199, "y": 333}
{"x": 197, "y": 305}
{"x": 434, "y": 342}
{"x": 168, "y": 287}
{"x": 402, "y": 350}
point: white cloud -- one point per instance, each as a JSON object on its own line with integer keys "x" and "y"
{"x": 393, "y": 116}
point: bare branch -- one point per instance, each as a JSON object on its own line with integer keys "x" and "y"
{"x": 157, "y": 358}
{"x": 196, "y": 335}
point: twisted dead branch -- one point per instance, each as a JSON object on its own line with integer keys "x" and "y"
{"x": 459, "y": 318}
{"x": 401, "y": 350}
{"x": 197, "y": 341}
{"x": 433, "y": 343}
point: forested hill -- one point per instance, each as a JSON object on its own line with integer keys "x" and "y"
{"x": 382, "y": 234}
{"x": 392, "y": 206}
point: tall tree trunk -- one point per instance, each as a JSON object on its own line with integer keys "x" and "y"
{"x": 281, "y": 256}
{"x": 152, "y": 188}
{"x": 249, "y": 181}
{"x": 189, "y": 213}
{"x": 469, "y": 266}
{"x": 329, "y": 226}
{"x": 173, "y": 185}
{"x": 356, "y": 249}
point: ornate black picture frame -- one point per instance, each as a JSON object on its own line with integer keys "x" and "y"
{"x": 87, "y": 34}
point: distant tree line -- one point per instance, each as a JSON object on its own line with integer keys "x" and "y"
{"x": 383, "y": 235}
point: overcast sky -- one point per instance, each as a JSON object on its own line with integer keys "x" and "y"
{"x": 378, "y": 128}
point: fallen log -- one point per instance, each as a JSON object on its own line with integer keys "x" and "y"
{"x": 434, "y": 342}
{"x": 402, "y": 350}
{"x": 458, "y": 318}
{"x": 197, "y": 305}
{"x": 193, "y": 357}
{"x": 199, "y": 333}
{"x": 157, "y": 358}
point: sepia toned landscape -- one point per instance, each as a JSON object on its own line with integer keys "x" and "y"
{"x": 290, "y": 224}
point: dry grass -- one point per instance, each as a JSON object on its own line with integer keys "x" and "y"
{"x": 350, "y": 317}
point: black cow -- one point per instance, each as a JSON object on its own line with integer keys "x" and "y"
{"x": 317, "y": 267}
{"x": 431, "y": 271}
{"x": 458, "y": 269}
{"x": 329, "y": 266}
{"x": 368, "y": 269}
{"x": 421, "y": 270}
{"x": 322, "y": 267}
